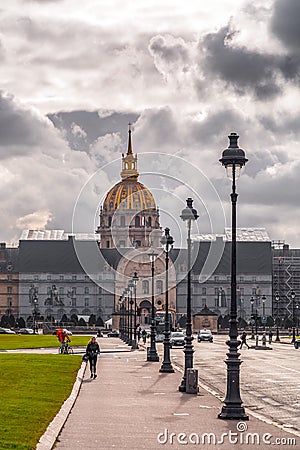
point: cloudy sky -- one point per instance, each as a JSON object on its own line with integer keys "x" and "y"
{"x": 186, "y": 74}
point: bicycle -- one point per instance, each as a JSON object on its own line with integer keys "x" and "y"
{"x": 65, "y": 349}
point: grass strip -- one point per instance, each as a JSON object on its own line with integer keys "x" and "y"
{"x": 33, "y": 388}
{"x": 16, "y": 341}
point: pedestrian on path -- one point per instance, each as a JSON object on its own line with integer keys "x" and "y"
{"x": 270, "y": 336}
{"x": 144, "y": 336}
{"x": 244, "y": 340}
{"x": 92, "y": 351}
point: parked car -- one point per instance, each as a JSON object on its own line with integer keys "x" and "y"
{"x": 26, "y": 331}
{"x": 6, "y": 331}
{"x": 297, "y": 343}
{"x": 159, "y": 337}
{"x": 205, "y": 335}
{"x": 113, "y": 333}
{"x": 177, "y": 339}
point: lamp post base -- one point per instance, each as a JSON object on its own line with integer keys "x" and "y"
{"x": 166, "y": 368}
{"x": 152, "y": 356}
{"x": 233, "y": 412}
{"x": 134, "y": 345}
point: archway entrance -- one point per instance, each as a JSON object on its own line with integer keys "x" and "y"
{"x": 145, "y": 308}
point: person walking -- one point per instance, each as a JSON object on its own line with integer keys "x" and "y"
{"x": 270, "y": 336}
{"x": 144, "y": 336}
{"x": 244, "y": 340}
{"x": 92, "y": 351}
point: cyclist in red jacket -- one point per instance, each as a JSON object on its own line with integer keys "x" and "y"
{"x": 62, "y": 336}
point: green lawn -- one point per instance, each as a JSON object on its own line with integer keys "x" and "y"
{"x": 15, "y": 341}
{"x": 33, "y": 388}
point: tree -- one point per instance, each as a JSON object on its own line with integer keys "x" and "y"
{"x": 12, "y": 321}
{"x": 74, "y": 319}
{"x": 4, "y": 321}
{"x": 64, "y": 319}
{"x": 99, "y": 322}
{"x": 82, "y": 322}
{"x": 21, "y": 322}
{"x": 92, "y": 320}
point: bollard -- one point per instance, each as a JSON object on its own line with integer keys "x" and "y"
{"x": 264, "y": 340}
{"x": 191, "y": 381}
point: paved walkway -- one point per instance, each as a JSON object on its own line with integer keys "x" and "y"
{"x": 131, "y": 405}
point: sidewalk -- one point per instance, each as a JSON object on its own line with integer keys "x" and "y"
{"x": 131, "y": 405}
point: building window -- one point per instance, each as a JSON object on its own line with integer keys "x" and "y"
{"x": 9, "y": 290}
{"x": 48, "y": 277}
{"x": 203, "y": 302}
{"x": 159, "y": 287}
{"x": 86, "y": 277}
{"x": 86, "y": 302}
{"x": 122, "y": 221}
{"x": 74, "y": 302}
{"x": 61, "y": 277}
{"x": 73, "y": 290}
{"x": 74, "y": 277}
{"x": 107, "y": 244}
{"x": 145, "y": 287}
{"x": 100, "y": 290}
{"x": 204, "y": 291}
{"x": 109, "y": 221}
{"x": 216, "y": 277}
{"x": 254, "y": 291}
{"x": 241, "y": 279}
{"x": 9, "y": 277}
{"x": 36, "y": 277}
{"x": 254, "y": 279}
{"x": 86, "y": 290}
{"x": 137, "y": 221}
{"x": 49, "y": 290}
{"x": 61, "y": 291}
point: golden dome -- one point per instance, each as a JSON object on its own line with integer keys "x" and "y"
{"x": 129, "y": 194}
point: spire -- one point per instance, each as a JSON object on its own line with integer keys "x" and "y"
{"x": 129, "y": 161}
{"x": 129, "y": 151}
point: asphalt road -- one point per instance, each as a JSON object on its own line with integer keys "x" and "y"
{"x": 269, "y": 379}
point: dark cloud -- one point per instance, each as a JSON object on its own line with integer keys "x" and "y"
{"x": 92, "y": 125}
{"x": 242, "y": 68}
{"x": 22, "y": 131}
{"x": 285, "y": 23}
{"x": 285, "y": 125}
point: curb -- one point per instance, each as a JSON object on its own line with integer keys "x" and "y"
{"x": 48, "y": 439}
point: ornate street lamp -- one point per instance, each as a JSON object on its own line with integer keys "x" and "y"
{"x": 188, "y": 214}
{"x": 121, "y": 329}
{"x": 131, "y": 302}
{"x": 252, "y": 317}
{"x": 126, "y": 301}
{"x": 293, "y": 295}
{"x": 233, "y": 158}
{"x": 35, "y": 311}
{"x": 152, "y": 353}
{"x": 264, "y": 319}
{"x": 135, "y": 280}
{"x": 277, "y": 317}
{"x": 167, "y": 242}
